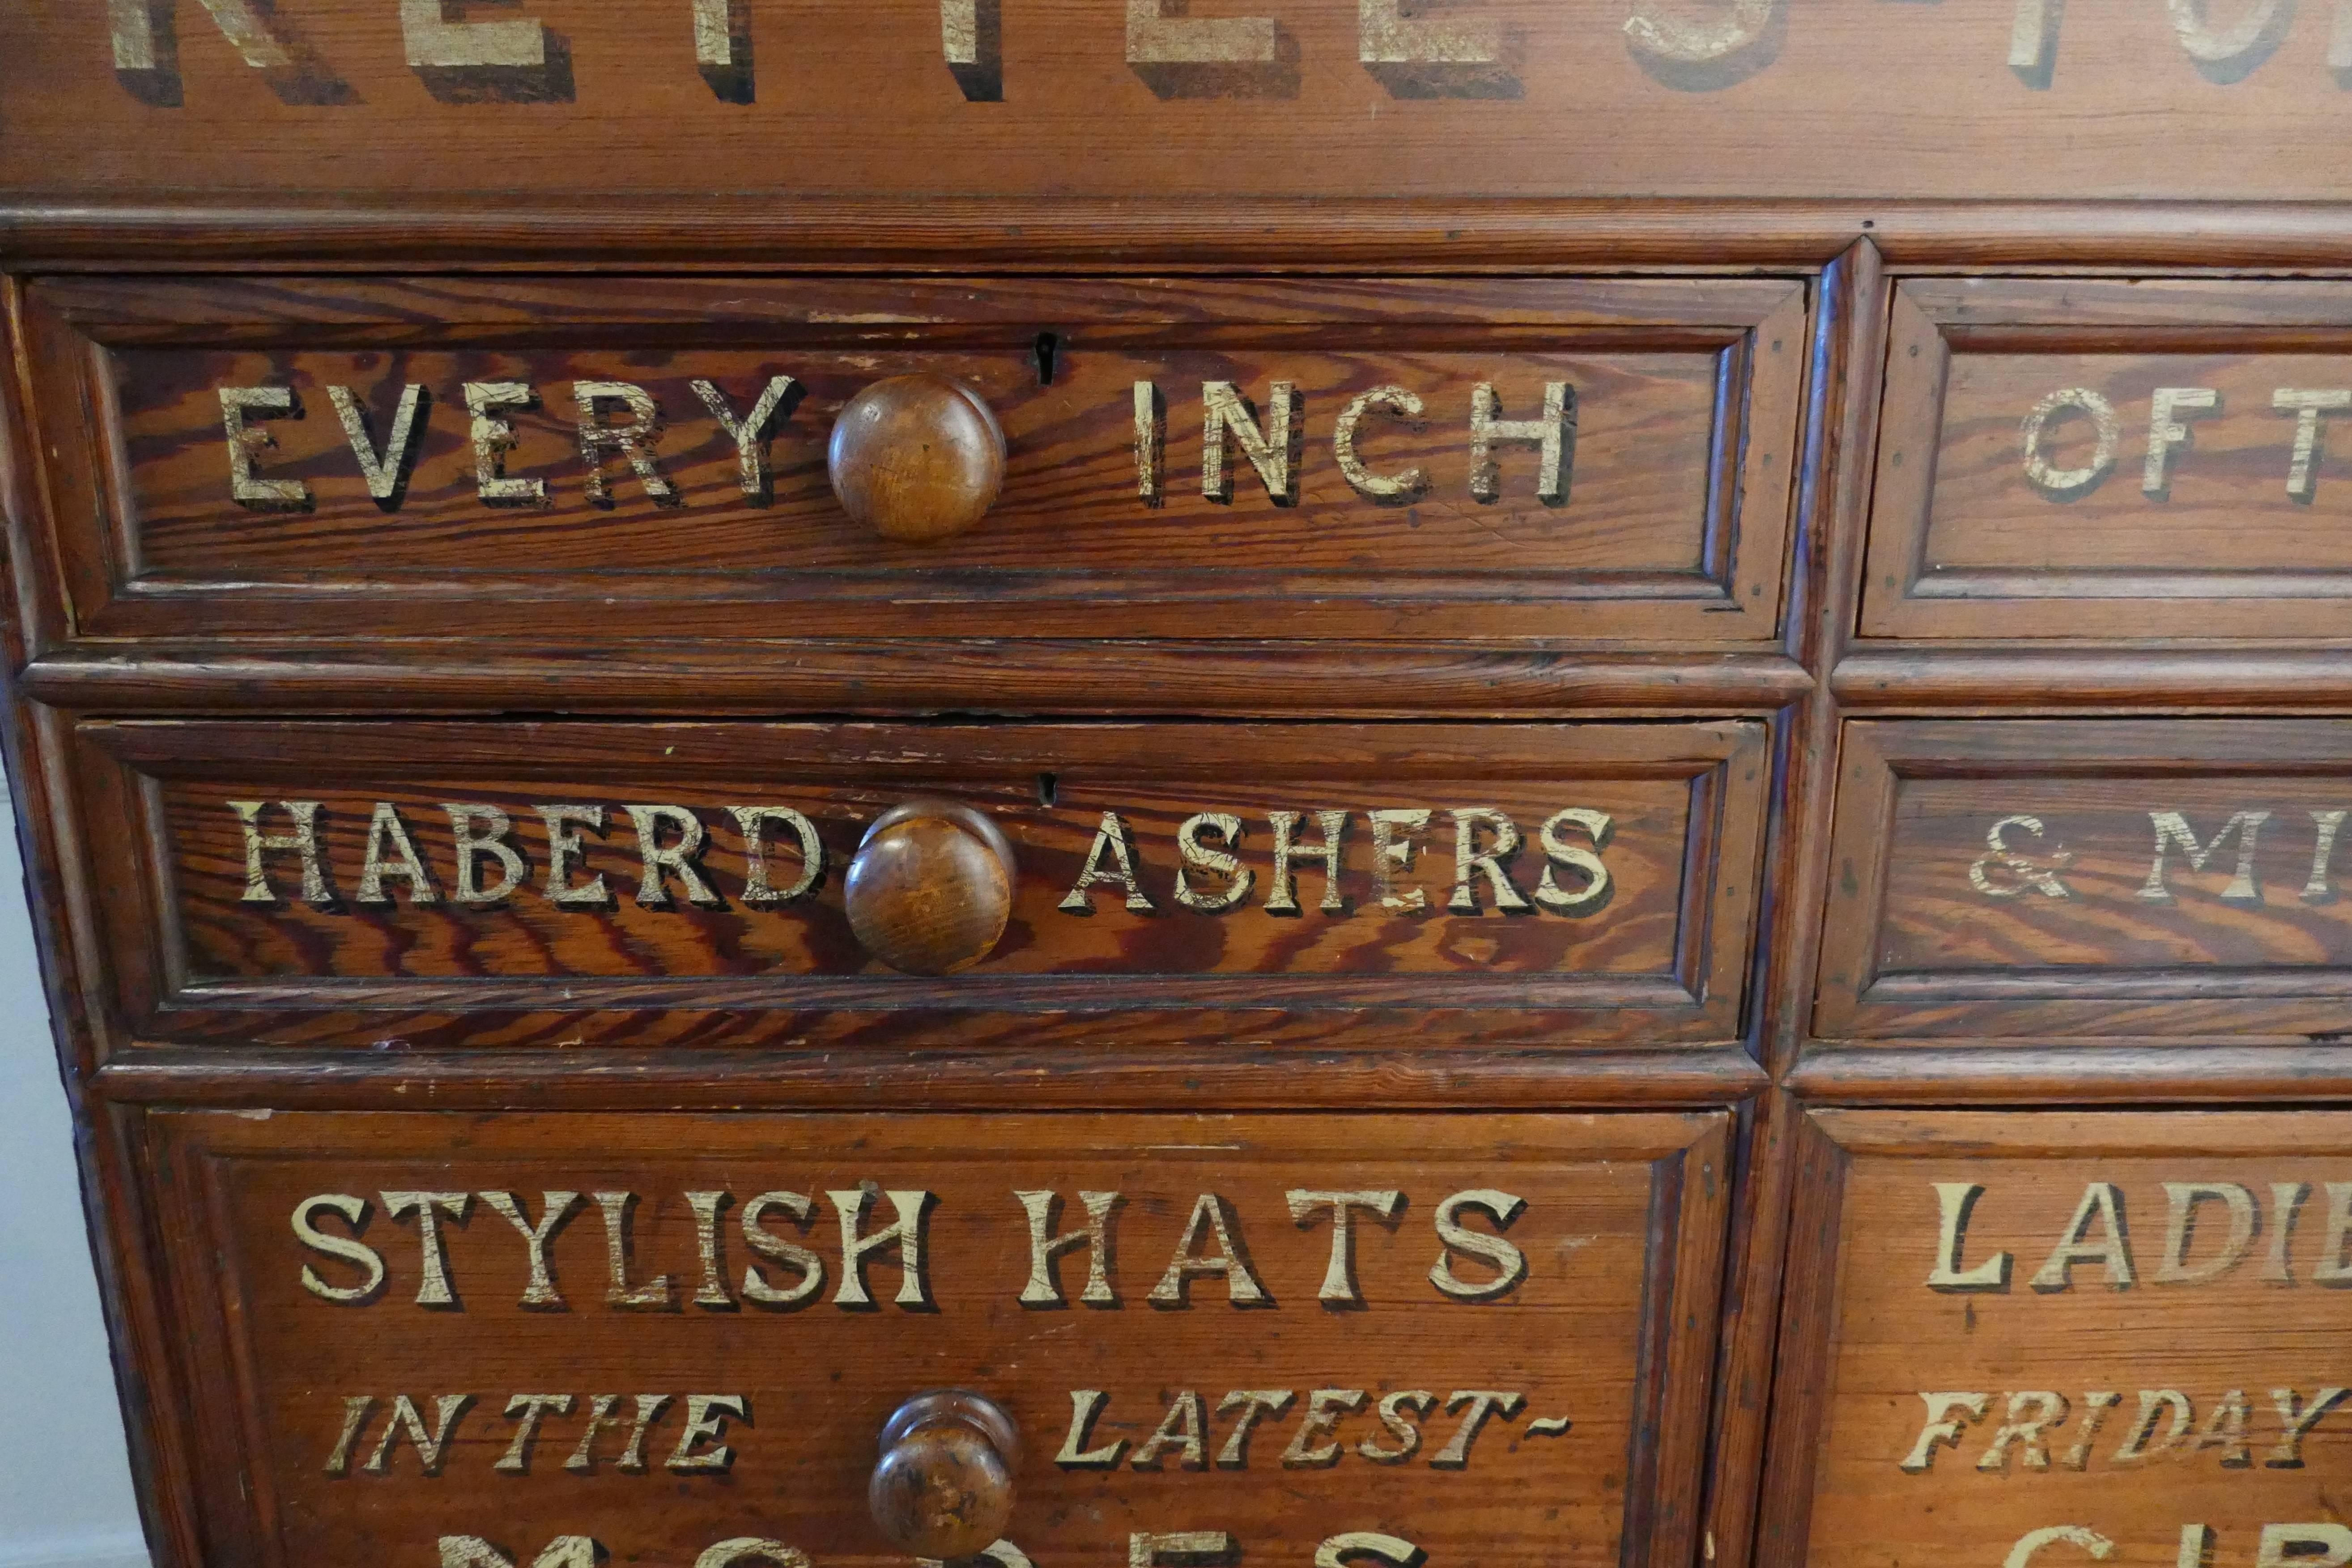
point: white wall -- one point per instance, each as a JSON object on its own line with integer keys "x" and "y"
{"x": 65, "y": 1482}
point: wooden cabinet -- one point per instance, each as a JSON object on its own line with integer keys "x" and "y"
{"x": 1322, "y": 785}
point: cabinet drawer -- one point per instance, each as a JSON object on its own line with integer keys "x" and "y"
{"x": 522, "y": 884}
{"x": 2065, "y": 1338}
{"x": 2090, "y": 458}
{"x": 2088, "y": 877}
{"x": 601, "y": 460}
{"x": 1497, "y": 1352}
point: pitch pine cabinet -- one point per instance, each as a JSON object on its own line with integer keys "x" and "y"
{"x": 1261, "y": 783}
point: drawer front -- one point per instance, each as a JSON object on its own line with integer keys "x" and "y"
{"x": 2064, "y": 1338}
{"x": 586, "y": 883}
{"x": 1498, "y": 1352}
{"x": 2087, "y": 877}
{"x": 2084, "y": 459}
{"x": 642, "y": 459}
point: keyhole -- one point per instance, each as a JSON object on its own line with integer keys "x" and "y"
{"x": 1047, "y": 786}
{"x": 1047, "y": 345}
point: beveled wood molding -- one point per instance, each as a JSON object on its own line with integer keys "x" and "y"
{"x": 1108, "y": 1076}
{"x": 983, "y": 676}
{"x": 812, "y": 234}
{"x": 2031, "y": 1072}
{"x": 1945, "y": 679}
{"x": 1849, "y": 353}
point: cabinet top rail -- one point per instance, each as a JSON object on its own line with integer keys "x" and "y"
{"x": 703, "y": 99}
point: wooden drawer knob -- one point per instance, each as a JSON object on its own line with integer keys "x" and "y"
{"x": 943, "y": 1486}
{"x": 930, "y": 889}
{"x": 917, "y": 458}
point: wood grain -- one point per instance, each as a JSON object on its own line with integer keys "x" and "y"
{"x": 1966, "y": 543}
{"x": 1574, "y": 102}
{"x": 1659, "y": 949}
{"x": 1620, "y": 1227}
{"x": 1469, "y": 234}
{"x": 1668, "y": 527}
{"x": 928, "y": 892}
{"x": 944, "y": 1485}
{"x": 2025, "y": 1072}
{"x": 1806, "y": 291}
{"x": 1892, "y": 676}
{"x": 918, "y": 459}
{"x": 1916, "y": 948}
{"x": 1848, "y": 351}
{"x": 733, "y": 677}
{"x": 1261, "y": 1061}
{"x": 1869, "y": 1337}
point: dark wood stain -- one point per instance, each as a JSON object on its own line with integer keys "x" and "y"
{"x": 1802, "y": 627}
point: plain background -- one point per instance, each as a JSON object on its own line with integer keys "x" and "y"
{"x": 64, "y": 1479}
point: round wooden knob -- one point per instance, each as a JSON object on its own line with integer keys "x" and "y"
{"x": 917, "y": 458}
{"x": 930, "y": 888}
{"x": 943, "y": 1486}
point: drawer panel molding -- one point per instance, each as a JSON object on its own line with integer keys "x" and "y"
{"x": 1466, "y": 1337}
{"x": 1602, "y": 462}
{"x": 2143, "y": 879}
{"x": 2043, "y": 1337}
{"x": 317, "y": 882}
{"x": 2090, "y": 460}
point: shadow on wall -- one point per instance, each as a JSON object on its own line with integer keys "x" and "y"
{"x": 65, "y": 1480}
